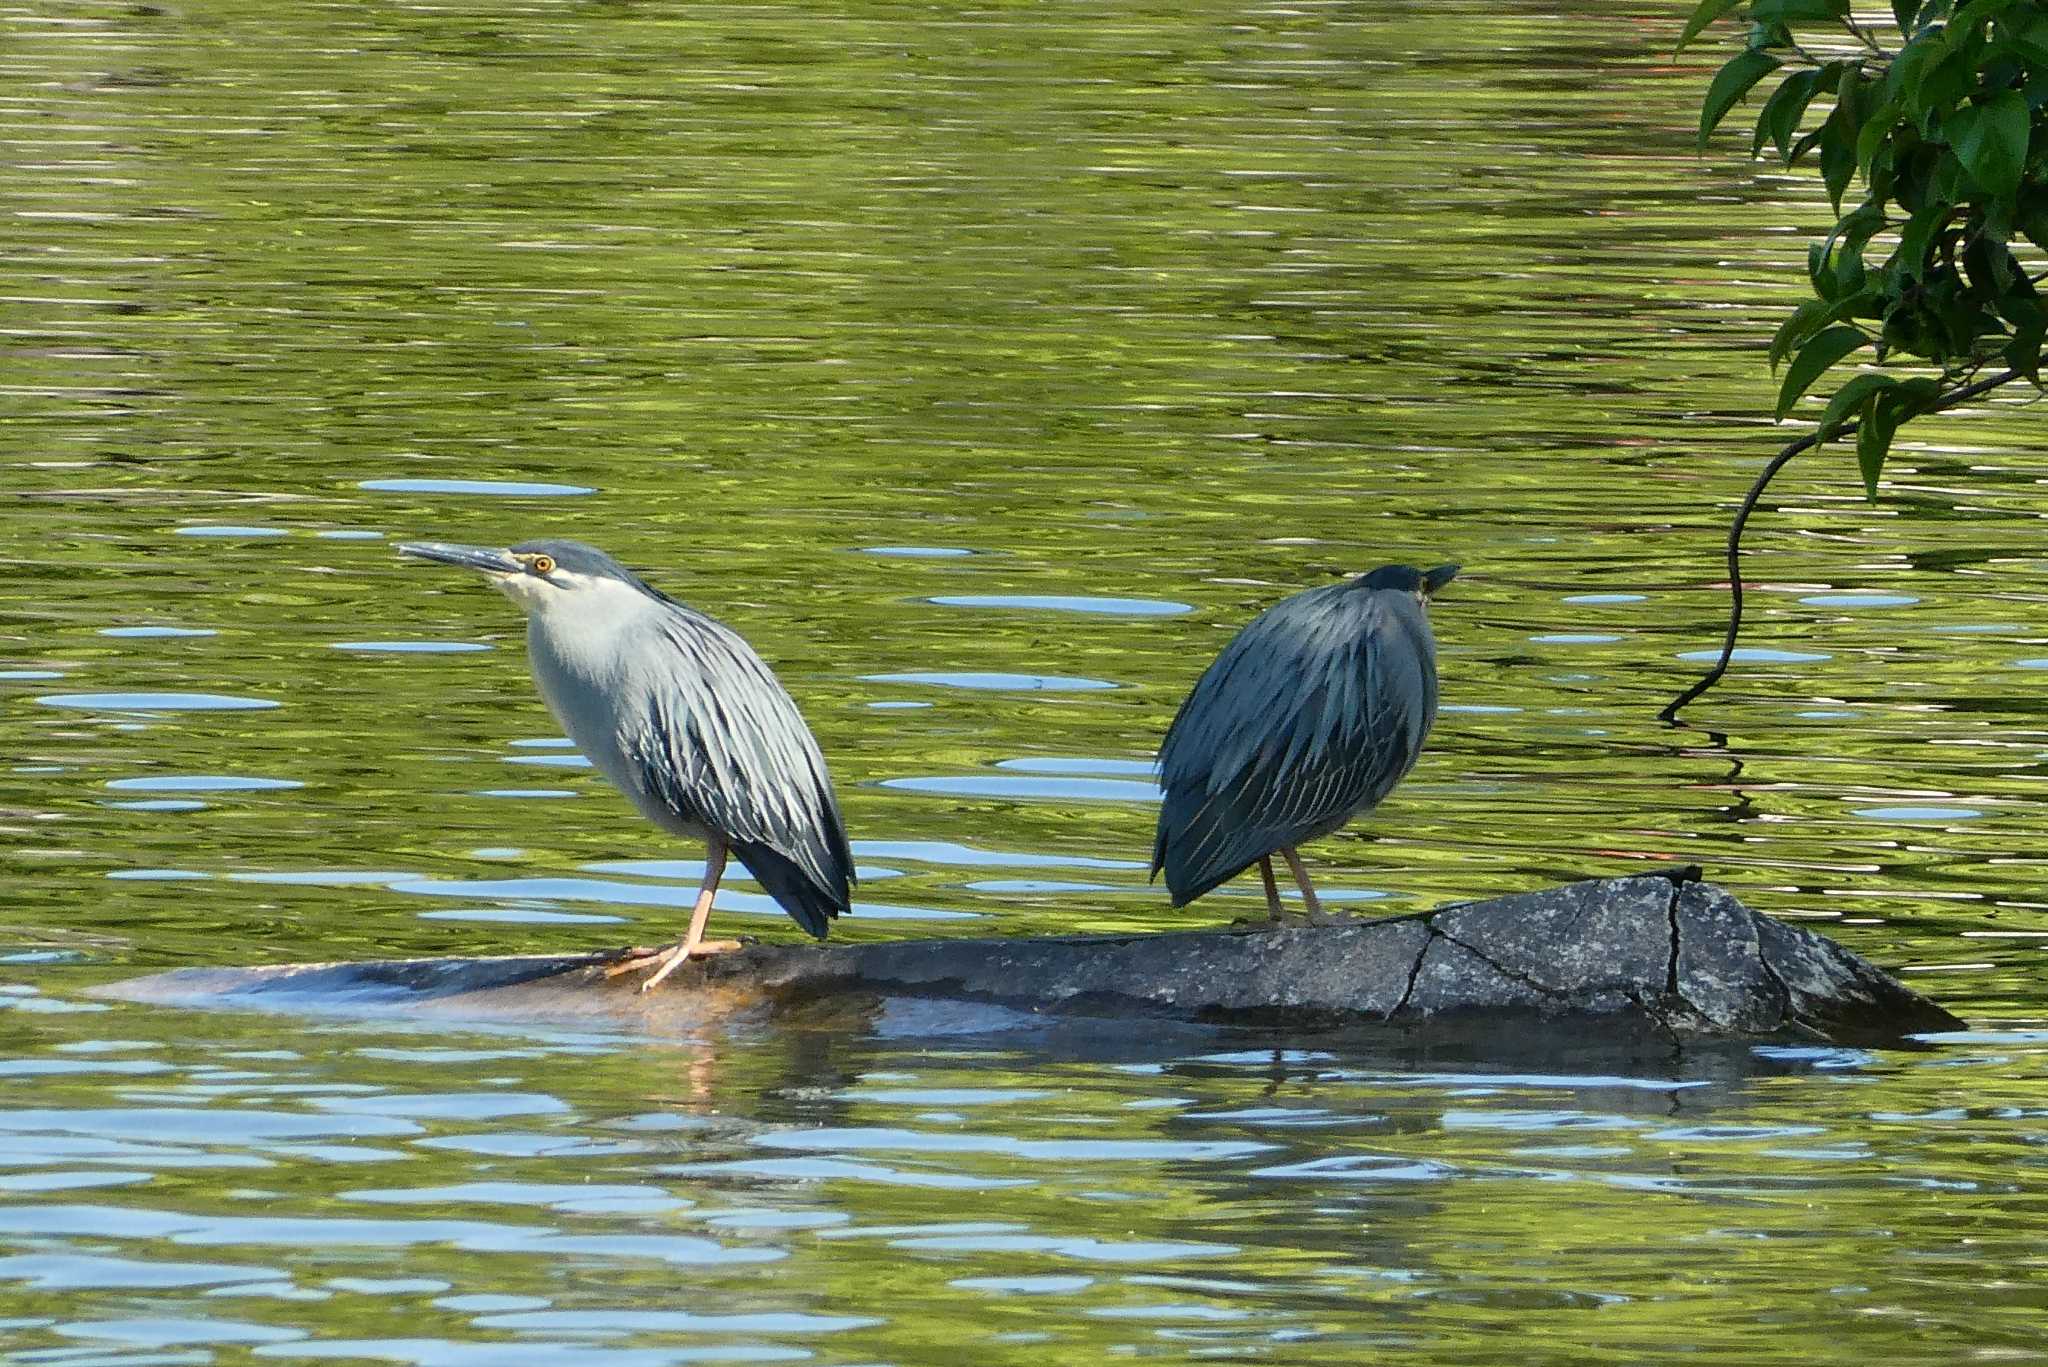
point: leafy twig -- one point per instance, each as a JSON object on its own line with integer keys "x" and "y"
{"x": 1749, "y": 502}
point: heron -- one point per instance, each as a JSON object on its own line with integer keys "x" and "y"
{"x": 1309, "y": 717}
{"x": 686, "y": 720}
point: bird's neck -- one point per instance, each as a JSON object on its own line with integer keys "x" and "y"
{"x": 592, "y": 636}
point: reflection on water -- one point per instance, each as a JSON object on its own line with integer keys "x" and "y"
{"x": 156, "y": 702}
{"x": 992, "y": 681}
{"x": 431, "y": 1194}
{"x": 497, "y": 488}
{"x": 1049, "y": 602}
{"x": 987, "y": 370}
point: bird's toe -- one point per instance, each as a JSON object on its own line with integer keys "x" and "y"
{"x": 632, "y": 959}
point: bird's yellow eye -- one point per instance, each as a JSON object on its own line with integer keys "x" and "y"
{"x": 543, "y": 564}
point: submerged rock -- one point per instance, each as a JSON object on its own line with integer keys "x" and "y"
{"x": 1645, "y": 957}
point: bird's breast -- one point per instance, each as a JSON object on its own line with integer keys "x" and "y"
{"x": 584, "y": 671}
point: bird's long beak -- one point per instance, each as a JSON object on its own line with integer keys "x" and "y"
{"x": 1432, "y": 580}
{"x": 468, "y": 557}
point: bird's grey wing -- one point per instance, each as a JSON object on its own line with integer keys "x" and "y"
{"x": 722, "y": 741}
{"x": 1315, "y": 710}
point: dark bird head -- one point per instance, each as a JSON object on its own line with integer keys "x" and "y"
{"x": 1424, "y": 584}
{"x": 543, "y": 577}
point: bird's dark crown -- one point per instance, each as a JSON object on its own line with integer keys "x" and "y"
{"x": 1407, "y": 578}
{"x": 580, "y": 557}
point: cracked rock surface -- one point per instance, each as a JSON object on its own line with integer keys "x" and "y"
{"x": 1647, "y": 957}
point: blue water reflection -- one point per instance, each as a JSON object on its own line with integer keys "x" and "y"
{"x": 994, "y": 681}
{"x": 202, "y": 783}
{"x": 412, "y": 647}
{"x": 945, "y": 852}
{"x": 148, "y": 633}
{"x": 1045, "y": 602}
{"x": 489, "y": 488}
{"x": 156, "y": 702}
{"x": 1003, "y": 787}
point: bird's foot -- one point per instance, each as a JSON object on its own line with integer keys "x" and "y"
{"x": 631, "y": 959}
{"x": 672, "y": 959}
{"x": 664, "y": 958}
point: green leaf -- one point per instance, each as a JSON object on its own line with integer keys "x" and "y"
{"x": 1947, "y": 77}
{"x": 1815, "y": 356}
{"x": 1876, "y": 129}
{"x": 1798, "y": 325}
{"x": 1915, "y": 173}
{"x": 1975, "y": 15}
{"x": 2023, "y": 353}
{"x": 1705, "y": 13}
{"x": 1813, "y": 315}
{"x": 1917, "y": 239}
{"x": 1991, "y": 267}
{"x": 1763, "y": 36}
{"x": 1879, "y": 424}
{"x": 1950, "y": 181}
{"x": 1837, "y": 154}
{"x": 1991, "y": 141}
{"x": 1850, "y": 397}
{"x": 1856, "y": 227}
{"x": 1730, "y": 84}
{"x": 1904, "y": 82}
{"x": 1904, "y": 11}
{"x": 2027, "y": 34}
{"x": 1783, "y": 110}
{"x": 1913, "y": 396}
{"x": 1839, "y": 132}
{"x": 1818, "y": 270}
{"x": 2029, "y": 329}
{"x": 1841, "y": 253}
{"x": 1883, "y": 172}
{"x": 1797, "y": 11}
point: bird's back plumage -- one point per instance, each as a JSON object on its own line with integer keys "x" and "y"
{"x": 707, "y": 740}
{"x": 1309, "y": 715}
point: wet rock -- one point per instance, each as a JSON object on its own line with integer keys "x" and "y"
{"x": 1649, "y": 957}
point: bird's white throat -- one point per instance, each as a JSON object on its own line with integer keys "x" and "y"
{"x": 586, "y": 621}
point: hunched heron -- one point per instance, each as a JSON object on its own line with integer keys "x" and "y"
{"x": 685, "y": 719}
{"x": 1307, "y": 718}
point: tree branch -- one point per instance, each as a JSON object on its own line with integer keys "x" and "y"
{"x": 1756, "y": 491}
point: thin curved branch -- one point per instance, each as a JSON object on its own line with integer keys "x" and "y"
{"x": 1749, "y": 502}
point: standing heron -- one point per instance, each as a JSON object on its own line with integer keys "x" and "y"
{"x": 1310, "y": 716}
{"x": 685, "y": 719}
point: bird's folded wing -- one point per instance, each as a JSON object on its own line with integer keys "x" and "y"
{"x": 1305, "y": 717}
{"x": 724, "y": 743}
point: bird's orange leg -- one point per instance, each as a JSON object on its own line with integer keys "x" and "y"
{"x": 693, "y": 944}
{"x": 1308, "y": 892}
{"x": 1272, "y": 888}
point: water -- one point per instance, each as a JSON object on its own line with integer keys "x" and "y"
{"x": 986, "y": 368}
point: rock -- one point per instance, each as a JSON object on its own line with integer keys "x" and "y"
{"x": 1651, "y": 958}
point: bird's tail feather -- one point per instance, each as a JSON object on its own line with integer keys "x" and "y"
{"x": 808, "y": 904}
{"x": 1185, "y": 882}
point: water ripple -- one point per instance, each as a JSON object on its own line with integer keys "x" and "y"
{"x": 1000, "y": 787}
{"x": 411, "y": 647}
{"x": 202, "y": 783}
{"x": 154, "y": 633}
{"x": 490, "y": 488}
{"x": 1053, "y": 602}
{"x": 995, "y": 682}
{"x": 155, "y": 702}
